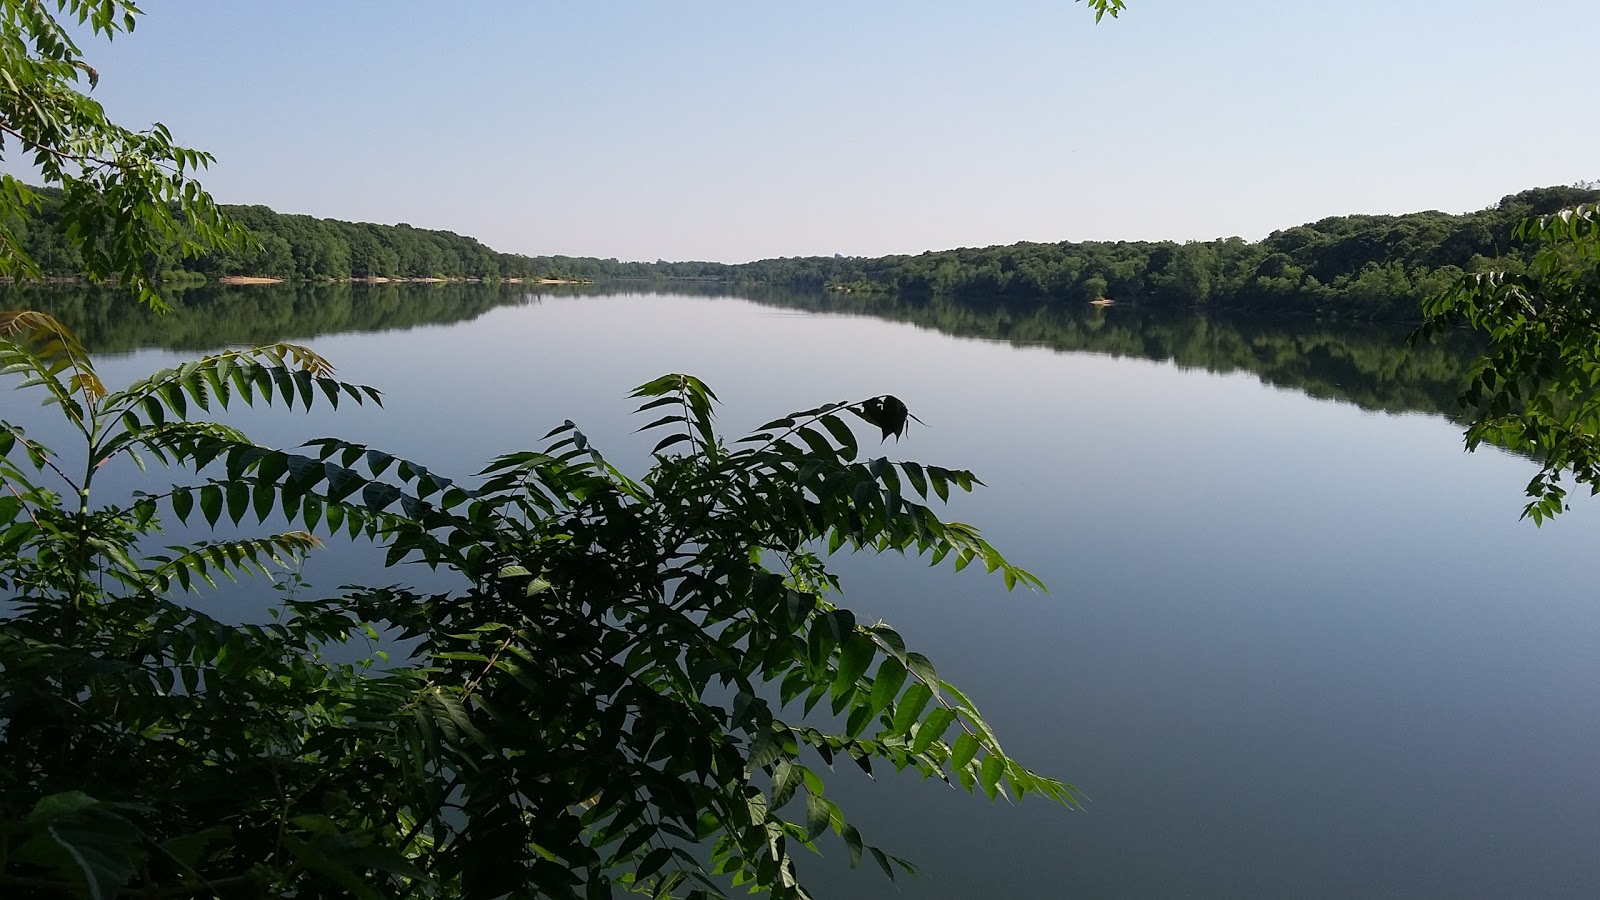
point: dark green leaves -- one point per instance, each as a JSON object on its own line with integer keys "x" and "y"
{"x": 853, "y": 663}
{"x": 128, "y": 201}
{"x": 989, "y": 777}
{"x": 911, "y": 706}
{"x": 182, "y": 504}
{"x": 886, "y": 413}
{"x": 852, "y": 842}
{"x": 965, "y": 748}
{"x": 85, "y": 843}
{"x": 589, "y": 710}
{"x": 211, "y": 503}
{"x": 1537, "y": 388}
{"x": 932, "y": 729}
{"x": 694, "y": 401}
{"x": 886, "y": 684}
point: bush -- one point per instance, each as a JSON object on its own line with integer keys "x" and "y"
{"x": 622, "y": 697}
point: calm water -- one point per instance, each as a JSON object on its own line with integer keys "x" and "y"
{"x": 1297, "y": 645}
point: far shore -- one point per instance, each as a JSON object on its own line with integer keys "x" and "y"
{"x": 379, "y": 279}
{"x": 266, "y": 279}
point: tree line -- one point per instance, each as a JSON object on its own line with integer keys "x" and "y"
{"x": 1359, "y": 266}
{"x": 292, "y": 247}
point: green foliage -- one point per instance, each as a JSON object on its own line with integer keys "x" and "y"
{"x": 1103, "y": 7}
{"x": 302, "y": 247}
{"x": 1368, "y": 267}
{"x": 1537, "y": 388}
{"x": 1361, "y": 266}
{"x": 1351, "y": 266}
{"x": 296, "y": 248}
{"x": 127, "y": 199}
{"x": 622, "y": 698}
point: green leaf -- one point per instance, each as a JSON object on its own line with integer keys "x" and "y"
{"x": 786, "y": 778}
{"x": 55, "y": 806}
{"x": 105, "y": 856}
{"x": 989, "y": 775}
{"x": 933, "y": 728}
{"x": 652, "y": 863}
{"x": 211, "y": 503}
{"x": 852, "y": 842}
{"x": 263, "y": 498}
{"x": 182, "y": 504}
{"x": 841, "y": 433}
{"x": 91, "y": 845}
{"x": 766, "y": 749}
{"x": 887, "y": 683}
{"x": 883, "y": 862}
{"x": 892, "y": 642}
{"x": 910, "y": 707}
{"x": 853, "y": 663}
{"x": 860, "y": 717}
{"x": 819, "y": 814}
{"x": 966, "y": 747}
{"x": 238, "y": 501}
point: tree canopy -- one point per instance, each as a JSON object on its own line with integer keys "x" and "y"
{"x": 127, "y": 198}
{"x": 291, "y": 247}
{"x": 1355, "y": 266}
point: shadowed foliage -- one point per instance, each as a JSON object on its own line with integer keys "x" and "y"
{"x": 623, "y": 698}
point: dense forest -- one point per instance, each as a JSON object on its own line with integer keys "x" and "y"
{"x": 294, "y": 247}
{"x": 1358, "y": 266}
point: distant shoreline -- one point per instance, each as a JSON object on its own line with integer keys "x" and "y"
{"x": 238, "y": 280}
{"x": 380, "y": 279}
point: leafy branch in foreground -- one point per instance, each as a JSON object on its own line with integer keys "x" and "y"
{"x": 129, "y": 198}
{"x": 623, "y": 696}
{"x": 1537, "y": 388}
{"x": 1102, "y": 8}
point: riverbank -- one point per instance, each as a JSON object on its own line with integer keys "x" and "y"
{"x": 379, "y": 279}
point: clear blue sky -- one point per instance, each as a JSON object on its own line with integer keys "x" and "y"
{"x": 714, "y": 129}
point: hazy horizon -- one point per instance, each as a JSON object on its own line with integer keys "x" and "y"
{"x": 729, "y": 132}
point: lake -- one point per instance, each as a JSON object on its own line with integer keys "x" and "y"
{"x": 1297, "y": 642}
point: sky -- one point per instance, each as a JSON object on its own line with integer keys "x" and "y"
{"x": 730, "y": 131}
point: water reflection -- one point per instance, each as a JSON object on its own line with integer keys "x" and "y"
{"x": 1367, "y": 364}
{"x": 1294, "y": 649}
{"x": 220, "y": 316}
